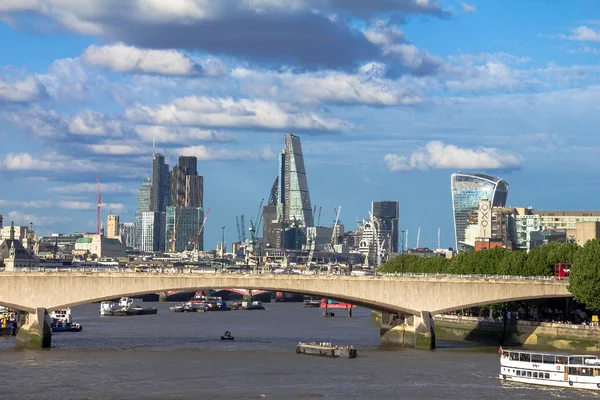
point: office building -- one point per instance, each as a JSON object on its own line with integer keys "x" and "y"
{"x": 144, "y": 196}
{"x": 467, "y": 191}
{"x": 183, "y": 228}
{"x": 187, "y": 187}
{"x": 387, "y": 213}
{"x": 150, "y": 228}
{"x": 127, "y": 231}
{"x": 112, "y": 227}
{"x": 566, "y": 220}
{"x": 290, "y": 197}
{"x": 160, "y": 192}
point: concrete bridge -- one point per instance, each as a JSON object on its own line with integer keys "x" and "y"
{"x": 418, "y": 296}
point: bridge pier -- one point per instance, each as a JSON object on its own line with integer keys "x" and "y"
{"x": 414, "y": 331}
{"x": 34, "y": 330}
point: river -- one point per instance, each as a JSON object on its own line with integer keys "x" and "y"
{"x": 179, "y": 356}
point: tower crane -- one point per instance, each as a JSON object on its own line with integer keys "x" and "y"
{"x": 243, "y": 226}
{"x": 255, "y": 225}
{"x": 335, "y": 225}
{"x": 319, "y": 216}
{"x": 200, "y": 232}
{"x": 239, "y": 231}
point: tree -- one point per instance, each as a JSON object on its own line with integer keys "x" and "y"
{"x": 584, "y": 280}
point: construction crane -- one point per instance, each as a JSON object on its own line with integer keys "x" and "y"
{"x": 98, "y": 219}
{"x": 239, "y": 232}
{"x": 335, "y": 225}
{"x": 243, "y": 222}
{"x": 200, "y": 233}
{"x": 319, "y": 216}
{"x": 254, "y": 225}
{"x": 178, "y": 211}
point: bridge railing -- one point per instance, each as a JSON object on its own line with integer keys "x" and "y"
{"x": 177, "y": 270}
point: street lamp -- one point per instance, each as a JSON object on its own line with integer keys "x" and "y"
{"x": 222, "y": 247}
{"x": 402, "y": 250}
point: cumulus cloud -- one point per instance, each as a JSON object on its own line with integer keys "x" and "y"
{"x": 230, "y": 113}
{"x": 89, "y": 123}
{"x": 205, "y": 153}
{"x": 438, "y": 155}
{"x": 24, "y": 91}
{"x": 583, "y": 34}
{"x": 253, "y": 29}
{"x": 85, "y": 205}
{"x": 88, "y": 187}
{"x": 174, "y": 134}
{"x": 21, "y": 218}
{"x": 328, "y": 87}
{"x": 129, "y": 59}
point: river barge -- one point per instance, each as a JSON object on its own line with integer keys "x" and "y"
{"x": 62, "y": 321}
{"x": 326, "y": 349}
{"x": 550, "y": 369}
{"x": 125, "y": 307}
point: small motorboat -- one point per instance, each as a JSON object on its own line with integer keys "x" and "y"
{"x": 227, "y": 336}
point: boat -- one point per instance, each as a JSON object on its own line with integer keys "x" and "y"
{"x": 328, "y": 303}
{"x": 252, "y": 305}
{"x": 227, "y": 336}
{"x": 184, "y": 307}
{"x": 311, "y": 302}
{"x": 204, "y": 303}
{"x": 550, "y": 369}
{"x": 8, "y": 322}
{"x": 62, "y": 321}
{"x": 125, "y": 307}
{"x": 326, "y": 349}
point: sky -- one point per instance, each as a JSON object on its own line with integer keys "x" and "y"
{"x": 389, "y": 98}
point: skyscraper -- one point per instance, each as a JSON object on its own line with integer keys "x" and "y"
{"x": 144, "y": 196}
{"x": 160, "y": 193}
{"x": 467, "y": 191}
{"x": 387, "y": 214}
{"x": 289, "y": 200}
{"x": 189, "y": 165}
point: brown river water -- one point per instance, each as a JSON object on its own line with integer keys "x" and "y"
{"x": 179, "y": 356}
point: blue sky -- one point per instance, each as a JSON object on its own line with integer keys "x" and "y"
{"x": 389, "y": 98}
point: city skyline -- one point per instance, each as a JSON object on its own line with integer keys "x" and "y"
{"x": 385, "y": 109}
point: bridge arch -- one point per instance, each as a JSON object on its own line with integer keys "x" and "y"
{"x": 395, "y": 294}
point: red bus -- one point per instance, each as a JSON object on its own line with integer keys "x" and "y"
{"x": 562, "y": 271}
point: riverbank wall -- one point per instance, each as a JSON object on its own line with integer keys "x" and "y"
{"x": 517, "y": 333}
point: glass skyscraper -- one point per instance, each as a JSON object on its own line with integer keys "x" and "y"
{"x": 296, "y": 199}
{"x": 467, "y": 191}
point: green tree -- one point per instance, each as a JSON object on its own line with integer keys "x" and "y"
{"x": 584, "y": 280}
{"x": 513, "y": 263}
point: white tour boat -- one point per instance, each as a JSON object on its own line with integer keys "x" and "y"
{"x": 560, "y": 370}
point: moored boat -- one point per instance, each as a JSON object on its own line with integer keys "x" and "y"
{"x": 62, "y": 321}
{"x": 125, "y": 307}
{"x": 550, "y": 369}
{"x": 328, "y": 303}
{"x": 8, "y": 322}
{"x": 326, "y": 349}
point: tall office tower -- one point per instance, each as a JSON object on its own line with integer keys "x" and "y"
{"x": 112, "y": 227}
{"x": 150, "y": 227}
{"x": 387, "y": 213}
{"x": 194, "y": 191}
{"x": 160, "y": 196}
{"x": 177, "y": 186}
{"x": 144, "y": 196}
{"x": 467, "y": 191}
{"x": 183, "y": 225}
{"x": 293, "y": 196}
{"x": 127, "y": 230}
{"x": 271, "y": 228}
{"x": 189, "y": 165}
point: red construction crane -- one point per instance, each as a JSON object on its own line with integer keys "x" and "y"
{"x": 98, "y": 221}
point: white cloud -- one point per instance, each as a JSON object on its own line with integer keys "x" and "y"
{"x": 27, "y": 203}
{"x": 24, "y": 91}
{"x": 86, "y": 187}
{"x": 437, "y": 155}
{"x": 89, "y": 123}
{"x": 84, "y": 205}
{"x": 129, "y": 59}
{"x": 328, "y": 87}
{"x": 117, "y": 148}
{"x": 21, "y": 218}
{"x": 583, "y": 34}
{"x": 204, "y": 153}
{"x": 170, "y": 134}
{"x": 227, "y": 112}
{"x": 467, "y": 8}
{"x": 25, "y": 161}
